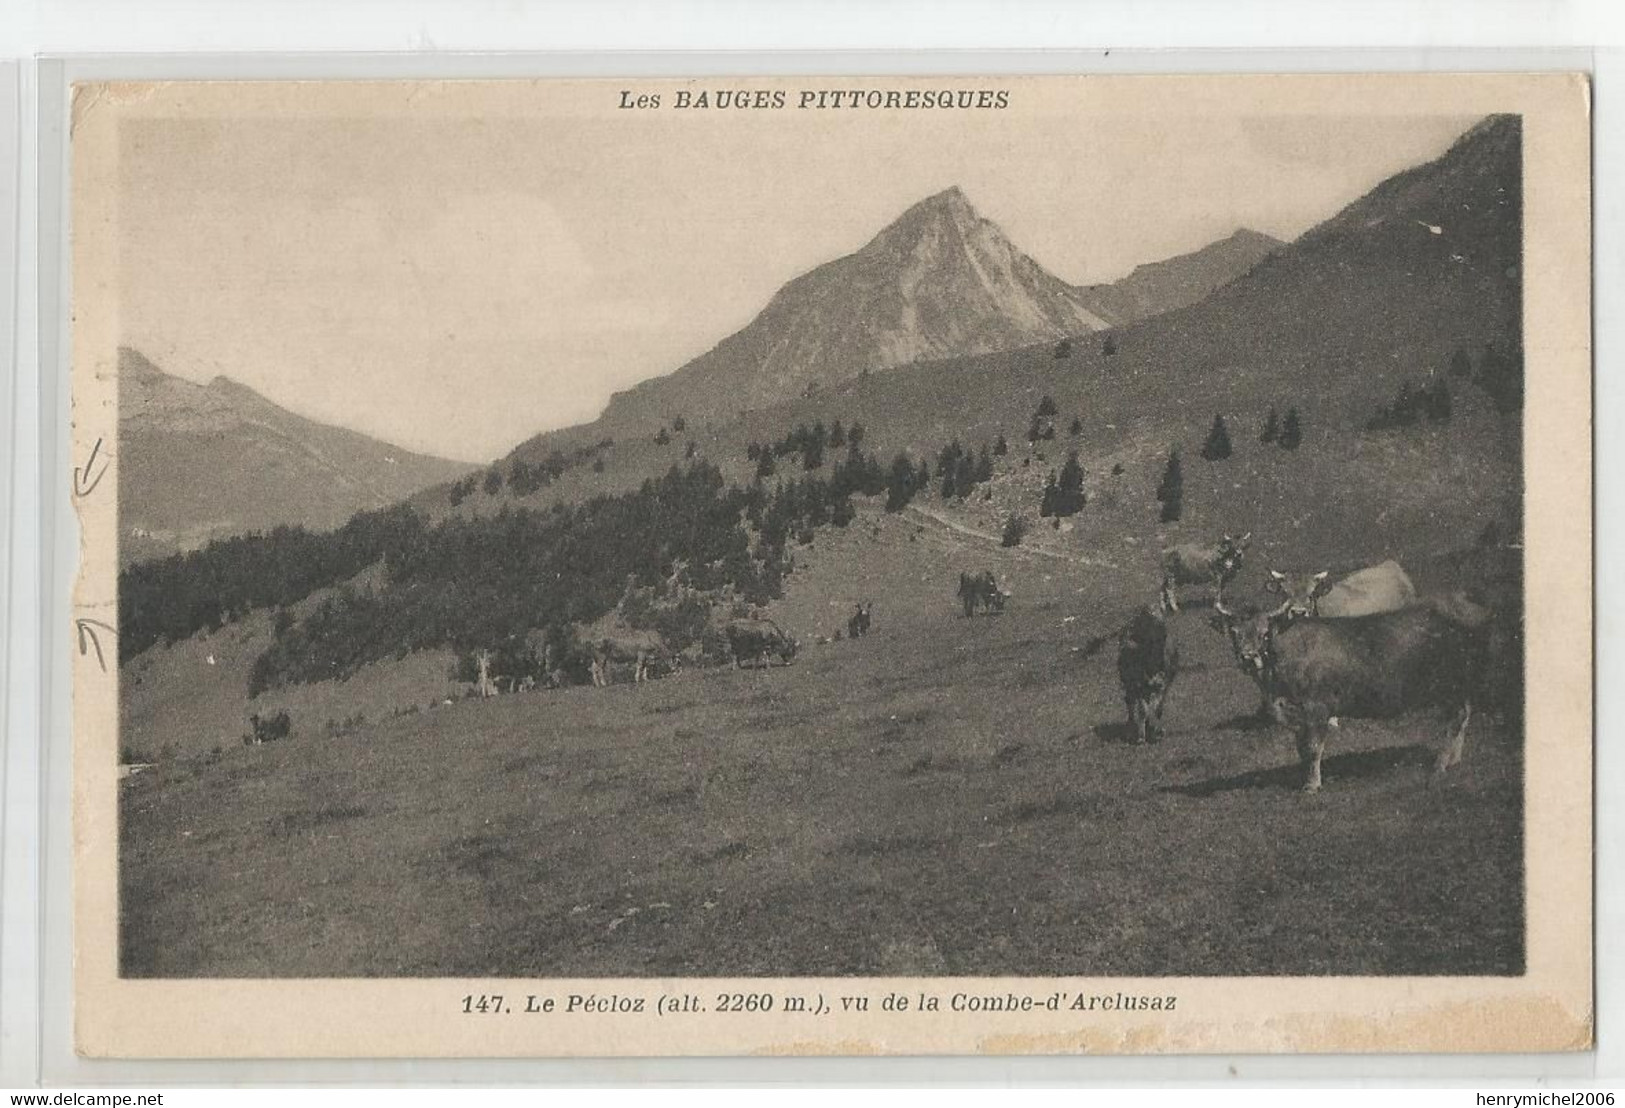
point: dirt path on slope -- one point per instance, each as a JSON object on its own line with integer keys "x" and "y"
{"x": 996, "y": 540}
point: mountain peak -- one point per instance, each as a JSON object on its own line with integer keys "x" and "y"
{"x": 938, "y": 281}
{"x": 952, "y": 198}
{"x": 947, "y": 211}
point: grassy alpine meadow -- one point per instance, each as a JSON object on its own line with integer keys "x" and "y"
{"x": 944, "y": 796}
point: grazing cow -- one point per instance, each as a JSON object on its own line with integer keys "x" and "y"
{"x": 1427, "y": 656}
{"x": 758, "y": 640}
{"x": 1367, "y": 592}
{"x": 268, "y": 729}
{"x": 640, "y": 648}
{"x": 1193, "y": 564}
{"x": 858, "y": 625}
{"x": 981, "y": 588}
{"x": 1147, "y": 663}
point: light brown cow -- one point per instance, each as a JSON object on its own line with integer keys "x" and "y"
{"x": 1366, "y": 592}
{"x": 1193, "y": 564}
{"x": 639, "y": 648}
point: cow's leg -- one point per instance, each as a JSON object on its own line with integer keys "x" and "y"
{"x": 1154, "y": 723}
{"x": 1170, "y": 593}
{"x": 1312, "y": 744}
{"x": 1139, "y": 718}
{"x": 1451, "y": 754}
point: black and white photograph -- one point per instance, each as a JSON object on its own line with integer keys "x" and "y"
{"x": 946, "y": 530}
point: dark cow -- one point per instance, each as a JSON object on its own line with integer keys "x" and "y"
{"x": 1193, "y": 564}
{"x": 267, "y": 730}
{"x": 1367, "y": 592}
{"x": 1427, "y": 656}
{"x": 1147, "y": 663}
{"x": 981, "y": 588}
{"x": 858, "y": 625}
{"x": 759, "y": 640}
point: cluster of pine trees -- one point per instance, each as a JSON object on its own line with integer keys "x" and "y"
{"x": 806, "y": 442}
{"x": 1041, "y": 428}
{"x": 958, "y": 472}
{"x": 798, "y": 507}
{"x": 1286, "y": 433}
{"x": 173, "y": 598}
{"x": 1063, "y": 495}
{"x": 524, "y": 477}
{"x": 1411, "y": 403}
{"x": 473, "y": 584}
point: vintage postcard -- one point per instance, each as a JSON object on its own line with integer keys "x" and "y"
{"x": 832, "y": 566}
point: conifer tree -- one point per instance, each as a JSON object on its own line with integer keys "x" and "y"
{"x": 1291, "y": 431}
{"x": 900, "y": 484}
{"x": 1069, "y": 495}
{"x": 1171, "y": 492}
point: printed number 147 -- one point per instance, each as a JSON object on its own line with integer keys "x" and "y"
{"x": 483, "y": 1003}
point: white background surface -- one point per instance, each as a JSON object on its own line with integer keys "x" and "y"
{"x": 1120, "y": 36}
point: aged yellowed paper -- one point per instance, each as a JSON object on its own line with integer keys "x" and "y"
{"x": 832, "y": 566}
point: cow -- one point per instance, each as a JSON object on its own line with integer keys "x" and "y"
{"x": 981, "y": 588}
{"x": 858, "y": 625}
{"x": 1367, "y": 592}
{"x": 1311, "y": 671}
{"x": 268, "y": 729}
{"x": 639, "y": 648}
{"x": 758, "y": 640}
{"x": 1147, "y": 663}
{"x": 1193, "y": 564}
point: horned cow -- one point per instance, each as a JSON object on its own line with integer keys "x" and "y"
{"x": 640, "y": 649}
{"x": 1194, "y": 564}
{"x": 1427, "y": 656}
{"x": 1367, "y": 592}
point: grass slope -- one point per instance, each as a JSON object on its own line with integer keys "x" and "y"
{"x": 946, "y": 796}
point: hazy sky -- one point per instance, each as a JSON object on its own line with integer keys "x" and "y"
{"x": 455, "y": 285}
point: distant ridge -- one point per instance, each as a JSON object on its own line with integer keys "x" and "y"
{"x": 1181, "y": 281}
{"x": 199, "y": 462}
